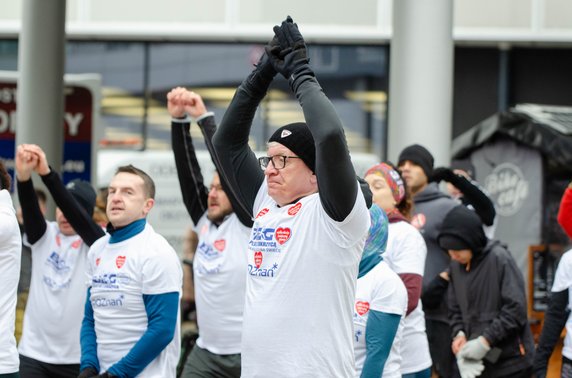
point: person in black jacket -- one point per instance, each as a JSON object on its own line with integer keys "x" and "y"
{"x": 487, "y": 301}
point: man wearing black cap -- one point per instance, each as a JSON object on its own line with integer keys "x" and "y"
{"x": 431, "y": 205}
{"x": 310, "y": 223}
{"x": 49, "y": 346}
{"x": 487, "y": 301}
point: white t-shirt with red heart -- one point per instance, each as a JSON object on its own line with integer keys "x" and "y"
{"x": 300, "y": 289}
{"x": 219, "y": 271}
{"x": 56, "y": 301}
{"x": 381, "y": 290}
{"x": 119, "y": 274}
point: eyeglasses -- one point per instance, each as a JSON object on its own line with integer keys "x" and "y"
{"x": 278, "y": 161}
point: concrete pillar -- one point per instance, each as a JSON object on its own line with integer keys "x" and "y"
{"x": 421, "y": 77}
{"x": 40, "y": 99}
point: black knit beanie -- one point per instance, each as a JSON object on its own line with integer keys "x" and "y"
{"x": 298, "y": 138}
{"x": 462, "y": 229}
{"x": 83, "y": 193}
{"x": 418, "y": 155}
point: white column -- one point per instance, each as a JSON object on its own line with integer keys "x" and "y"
{"x": 40, "y": 99}
{"x": 421, "y": 77}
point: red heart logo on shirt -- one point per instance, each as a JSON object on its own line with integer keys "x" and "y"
{"x": 97, "y": 260}
{"x": 120, "y": 261}
{"x": 294, "y": 209}
{"x": 220, "y": 244}
{"x": 257, "y": 259}
{"x": 282, "y": 235}
{"x": 362, "y": 307}
{"x": 76, "y": 244}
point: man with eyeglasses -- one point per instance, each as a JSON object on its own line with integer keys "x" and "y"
{"x": 311, "y": 222}
{"x": 219, "y": 265}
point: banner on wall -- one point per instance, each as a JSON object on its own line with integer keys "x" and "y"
{"x": 81, "y": 115}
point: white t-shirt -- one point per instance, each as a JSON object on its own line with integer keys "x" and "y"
{"x": 379, "y": 290}
{"x": 406, "y": 253}
{"x": 300, "y": 289}
{"x": 10, "y": 253}
{"x": 119, "y": 275}
{"x": 54, "y": 311}
{"x": 219, "y": 268}
{"x": 563, "y": 281}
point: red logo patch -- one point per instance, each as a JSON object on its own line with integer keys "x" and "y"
{"x": 362, "y": 307}
{"x": 58, "y": 240}
{"x": 282, "y": 235}
{"x": 76, "y": 244}
{"x": 262, "y": 212}
{"x": 294, "y": 209}
{"x": 418, "y": 221}
{"x": 120, "y": 261}
{"x": 257, "y": 259}
{"x": 220, "y": 244}
{"x": 97, "y": 260}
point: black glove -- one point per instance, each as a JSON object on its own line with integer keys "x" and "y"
{"x": 292, "y": 58}
{"x": 260, "y": 78}
{"x": 442, "y": 173}
{"x": 264, "y": 66}
{"x": 88, "y": 373}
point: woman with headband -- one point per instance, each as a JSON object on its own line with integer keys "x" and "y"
{"x": 405, "y": 254}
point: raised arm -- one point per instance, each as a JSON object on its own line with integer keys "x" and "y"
{"x": 334, "y": 170}
{"x": 191, "y": 181}
{"x": 472, "y": 194}
{"x": 78, "y": 218}
{"x": 34, "y": 222}
{"x": 238, "y": 164}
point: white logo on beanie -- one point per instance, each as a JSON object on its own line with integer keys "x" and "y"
{"x": 285, "y": 133}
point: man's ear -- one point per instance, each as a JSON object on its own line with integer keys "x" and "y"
{"x": 313, "y": 179}
{"x": 148, "y": 205}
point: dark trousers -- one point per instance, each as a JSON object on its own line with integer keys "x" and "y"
{"x": 11, "y": 375}
{"x": 439, "y": 337}
{"x": 30, "y": 368}
{"x": 203, "y": 364}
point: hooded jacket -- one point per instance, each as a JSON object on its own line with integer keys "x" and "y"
{"x": 487, "y": 296}
{"x": 431, "y": 206}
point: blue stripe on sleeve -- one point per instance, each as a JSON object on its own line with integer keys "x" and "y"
{"x": 380, "y": 331}
{"x": 88, "y": 340}
{"x": 162, "y": 311}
